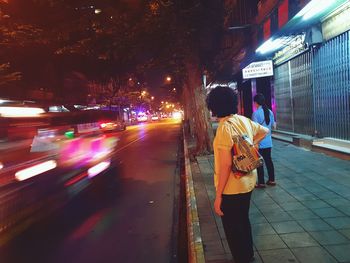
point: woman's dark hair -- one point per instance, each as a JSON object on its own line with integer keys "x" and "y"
{"x": 222, "y": 101}
{"x": 260, "y": 99}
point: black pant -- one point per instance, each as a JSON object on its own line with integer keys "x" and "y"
{"x": 237, "y": 226}
{"x": 266, "y": 154}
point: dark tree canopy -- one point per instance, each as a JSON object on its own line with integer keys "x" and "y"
{"x": 51, "y": 42}
{"x": 118, "y": 36}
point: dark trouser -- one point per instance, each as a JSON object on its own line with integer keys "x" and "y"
{"x": 237, "y": 226}
{"x": 266, "y": 154}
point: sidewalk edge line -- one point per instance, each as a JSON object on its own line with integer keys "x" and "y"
{"x": 195, "y": 244}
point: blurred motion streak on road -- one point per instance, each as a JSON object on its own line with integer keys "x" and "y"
{"x": 45, "y": 160}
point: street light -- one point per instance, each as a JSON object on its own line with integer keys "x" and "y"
{"x": 168, "y": 78}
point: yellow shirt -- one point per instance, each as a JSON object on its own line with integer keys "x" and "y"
{"x": 223, "y": 140}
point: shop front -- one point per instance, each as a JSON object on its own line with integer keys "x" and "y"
{"x": 311, "y": 82}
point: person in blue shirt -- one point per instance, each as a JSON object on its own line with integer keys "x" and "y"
{"x": 264, "y": 117}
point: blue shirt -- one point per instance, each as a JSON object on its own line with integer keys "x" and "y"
{"x": 258, "y": 116}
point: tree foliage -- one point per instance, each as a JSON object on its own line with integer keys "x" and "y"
{"x": 106, "y": 40}
{"x": 6, "y": 76}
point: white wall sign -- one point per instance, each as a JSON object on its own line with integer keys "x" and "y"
{"x": 258, "y": 70}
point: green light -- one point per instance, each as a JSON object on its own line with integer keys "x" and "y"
{"x": 69, "y": 134}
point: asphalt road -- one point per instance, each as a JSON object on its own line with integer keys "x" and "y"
{"x": 130, "y": 220}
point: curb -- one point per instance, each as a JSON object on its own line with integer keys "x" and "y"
{"x": 195, "y": 244}
{"x": 311, "y": 144}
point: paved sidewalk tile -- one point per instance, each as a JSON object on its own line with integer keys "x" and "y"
{"x": 316, "y": 204}
{"x": 345, "y": 232}
{"x": 331, "y": 237}
{"x": 327, "y": 212}
{"x": 313, "y": 255}
{"x": 344, "y": 209}
{"x": 295, "y": 240}
{"x": 339, "y": 222}
{"x": 262, "y": 229}
{"x": 305, "y": 218}
{"x": 278, "y": 256}
{"x": 302, "y": 214}
{"x": 294, "y": 205}
{"x": 268, "y": 242}
{"x": 287, "y": 227}
{"x": 277, "y": 216}
{"x": 314, "y": 225}
{"x": 340, "y": 252}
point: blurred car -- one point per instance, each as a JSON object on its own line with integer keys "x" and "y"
{"x": 15, "y": 117}
{"x": 141, "y": 117}
{"x": 110, "y": 121}
{"x": 164, "y": 116}
{"x": 63, "y": 154}
{"x": 57, "y": 108}
{"x": 133, "y": 120}
{"x": 113, "y": 125}
{"x": 154, "y": 118}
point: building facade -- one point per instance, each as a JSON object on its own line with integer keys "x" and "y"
{"x": 309, "y": 44}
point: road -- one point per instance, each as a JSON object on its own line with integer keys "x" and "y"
{"x": 131, "y": 221}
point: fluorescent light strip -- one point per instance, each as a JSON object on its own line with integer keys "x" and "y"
{"x": 317, "y": 8}
{"x": 20, "y": 111}
{"x": 271, "y": 45}
{"x": 307, "y": 8}
{"x": 98, "y": 168}
{"x": 314, "y": 7}
{"x": 35, "y": 170}
{"x": 3, "y": 101}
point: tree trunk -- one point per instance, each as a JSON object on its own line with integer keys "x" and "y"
{"x": 188, "y": 110}
{"x": 203, "y": 130}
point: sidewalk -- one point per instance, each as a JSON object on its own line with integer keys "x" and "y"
{"x": 305, "y": 218}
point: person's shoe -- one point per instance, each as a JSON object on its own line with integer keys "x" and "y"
{"x": 260, "y": 186}
{"x": 271, "y": 183}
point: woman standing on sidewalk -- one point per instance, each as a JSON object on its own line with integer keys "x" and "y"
{"x": 233, "y": 191}
{"x": 265, "y": 117}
